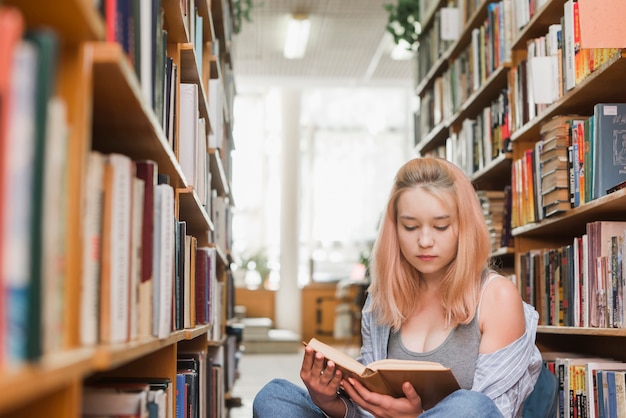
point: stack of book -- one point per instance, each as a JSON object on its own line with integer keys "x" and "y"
{"x": 554, "y": 165}
{"x": 493, "y": 205}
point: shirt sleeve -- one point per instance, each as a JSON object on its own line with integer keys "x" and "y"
{"x": 509, "y": 375}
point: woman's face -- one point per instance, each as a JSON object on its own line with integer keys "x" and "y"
{"x": 427, "y": 231}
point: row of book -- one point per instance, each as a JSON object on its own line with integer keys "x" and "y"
{"x": 35, "y": 194}
{"x": 487, "y": 51}
{"x": 577, "y": 160}
{"x": 33, "y": 143}
{"x": 589, "y": 387}
{"x": 579, "y": 284}
{"x": 555, "y": 63}
{"x": 482, "y": 139}
{"x": 144, "y": 274}
{"x": 199, "y": 379}
{"x": 496, "y": 210}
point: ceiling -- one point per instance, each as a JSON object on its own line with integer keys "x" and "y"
{"x": 348, "y": 46}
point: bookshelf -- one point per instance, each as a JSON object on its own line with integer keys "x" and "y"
{"x": 605, "y": 84}
{"x": 107, "y": 111}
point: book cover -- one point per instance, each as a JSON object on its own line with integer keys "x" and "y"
{"x": 147, "y": 171}
{"x": 92, "y": 238}
{"x": 54, "y": 244}
{"x": 116, "y": 244}
{"x": 203, "y": 285}
{"x": 18, "y": 188}
{"x": 46, "y": 44}
{"x": 11, "y": 27}
{"x": 138, "y": 190}
{"x": 432, "y": 381}
{"x": 163, "y": 267}
{"x": 122, "y": 399}
{"x": 609, "y": 147}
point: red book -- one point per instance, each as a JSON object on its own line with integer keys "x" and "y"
{"x": 147, "y": 170}
{"x": 202, "y": 285}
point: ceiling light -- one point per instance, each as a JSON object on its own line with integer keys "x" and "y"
{"x": 297, "y": 36}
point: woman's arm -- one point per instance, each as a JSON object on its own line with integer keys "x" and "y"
{"x": 501, "y": 316}
{"x": 507, "y": 367}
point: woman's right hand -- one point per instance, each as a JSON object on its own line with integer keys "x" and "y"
{"x": 322, "y": 379}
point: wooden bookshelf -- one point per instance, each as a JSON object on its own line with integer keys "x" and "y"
{"x": 605, "y": 84}
{"x": 107, "y": 112}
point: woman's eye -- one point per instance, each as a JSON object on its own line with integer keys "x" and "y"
{"x": 442, "y": 228}
{"x": 410, "y": 228}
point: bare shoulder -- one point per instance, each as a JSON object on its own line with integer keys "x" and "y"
{"x": 500, "y": 291}
{"x": 501, "y": 314}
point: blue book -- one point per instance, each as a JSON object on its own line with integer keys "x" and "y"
{"x": 181, "y": 395}
{"x": 608, "y": 147}
{"x": 610, "y": 378}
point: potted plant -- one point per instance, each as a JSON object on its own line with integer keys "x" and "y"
{"x": 404, "y": 22}
{"x": 241, "y": 11}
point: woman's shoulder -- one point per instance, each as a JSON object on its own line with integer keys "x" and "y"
{"x": 502, "y": 316}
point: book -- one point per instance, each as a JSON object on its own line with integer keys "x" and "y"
{"x": 91, "y": 256}
{"x": 54, "y": 243}
{"x": 431, "y": 380}
{"x": 17, "y": 228}
{"x": 147, "y": 171}
{"x": 116, "y": 244}
{"x": 609, "y": 147}
{"x": 593, "y": 385}
{"x": 163, "y": 260}
{"x": 11, "y": 27}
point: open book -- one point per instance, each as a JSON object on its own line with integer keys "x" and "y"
{"x": 431, "y": 381}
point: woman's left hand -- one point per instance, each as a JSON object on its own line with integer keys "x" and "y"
{"x": 385, "y": 406}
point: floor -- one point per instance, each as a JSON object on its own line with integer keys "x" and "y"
{"x": 255, "y": 370}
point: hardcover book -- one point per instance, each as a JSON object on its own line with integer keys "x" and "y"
{"x": 609, "y": 147}
{"x": 431, "y": 380}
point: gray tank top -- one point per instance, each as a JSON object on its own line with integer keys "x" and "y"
{"x": 459, "y": 352}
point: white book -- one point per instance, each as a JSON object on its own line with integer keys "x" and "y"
{"x": 163, "y": 259}
{"x": 216, "y": 112}
{"x": 91, "y": 256}
{"x": 202, "y": 162}
{"x": 18, "y": 200}
{"x": 188, "y": 131}
{"x": 54, "y": 226}
{"x": 115, "y": 276}
{"x": 569, "y": 65}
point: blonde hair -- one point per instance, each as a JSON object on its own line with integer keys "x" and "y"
{"x": 395, "y": 282}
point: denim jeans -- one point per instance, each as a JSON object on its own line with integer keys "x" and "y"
{"x": 281, "y": 398}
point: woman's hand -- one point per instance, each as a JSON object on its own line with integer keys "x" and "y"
{"x": 385, "y": 406}
{"x": 322, "y": 379}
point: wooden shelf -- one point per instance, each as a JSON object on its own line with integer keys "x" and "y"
{"x": 189, "y": 74}
{"x": 219, "y": 181}
{"x": 53, "y": 372}
{"x": 194, "y": 213}
{"x": 122, "y": 121}
{"x": 573, "y": 222}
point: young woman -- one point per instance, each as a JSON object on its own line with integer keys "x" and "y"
{"x": 432, "y": 298}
